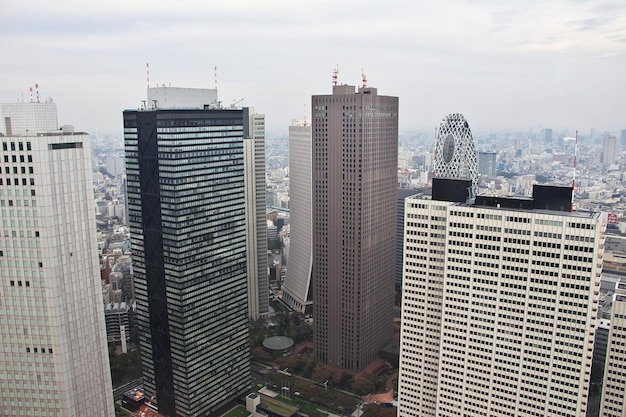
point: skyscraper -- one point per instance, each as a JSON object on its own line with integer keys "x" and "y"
{"x": 547, "y": 136}
{"x": 499, "y": 304}
{"x": 455, "y": 153}
{"x": 186, "y": 202}
{"x": 256, "y": 225}
{"x": 613, "y": 393}
{"x": 609, "y": 149}
{"x": 297, "y": 291}
{"x": 54, "y": 359}
{"x": 355, "y": 156}
{"x": 487, "y": 163}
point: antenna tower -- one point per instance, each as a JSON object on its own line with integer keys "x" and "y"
{"x": 148, "y": 74}
{"x": 216, "y": 78}
{"x": 31, "y": 94}
{"x": 37, "y": 90}
{"x": 574, "y": 176}
{"x": 335, "y": 74}
{"x": 435, "y": 155}
{"x": 364, "y": 78}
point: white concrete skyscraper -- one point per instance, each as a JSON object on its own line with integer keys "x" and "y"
{"x": 297, "y": 285}
{"x": 613, "y": 392}
{"x": 54, "y": 359}
{"x": 499, "y": 304}
{"x": 256, "y": 225}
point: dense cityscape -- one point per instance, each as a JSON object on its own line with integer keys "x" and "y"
{"x": 399, "y": 274}
{"x": 312, "y": 209}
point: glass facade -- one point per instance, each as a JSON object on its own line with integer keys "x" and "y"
{"x": 185, "y": 179}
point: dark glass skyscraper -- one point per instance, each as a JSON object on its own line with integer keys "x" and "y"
{"x": 185, "y": 171}
{"x": 354, "y": 182}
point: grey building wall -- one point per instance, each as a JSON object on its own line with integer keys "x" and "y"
{"x": 355, "y": 158}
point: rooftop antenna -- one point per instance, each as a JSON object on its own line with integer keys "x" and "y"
{"x": 37, "y": 90}
{"x": 304, "y": 114}
{"x": 574, "y": 177}
{"x": 335, "y": 74}
{"x": 148, "y": 74}
{"x": 31, "y": 94}
{"x": 435, "y": 155}
{"x": 216, "y": 78}
{"x": 364, "y": 78}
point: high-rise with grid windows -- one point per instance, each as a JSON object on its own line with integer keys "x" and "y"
{"x": 499, "y": 304}
{"x": 186, "y": 202}
{"x": 354, "y": 182}
{"x": 53, "y": 351}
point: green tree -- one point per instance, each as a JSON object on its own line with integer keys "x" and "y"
{"x": 363, "y": 386}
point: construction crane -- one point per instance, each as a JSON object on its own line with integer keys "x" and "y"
{"x": 234, "y": 103}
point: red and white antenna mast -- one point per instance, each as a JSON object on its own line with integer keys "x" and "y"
{"x": 335, "y": 75}
{"x": 31, "y": 94}
{"x": 37, "y": 90}
{"x": 574, "y": 176}
{"x": 148, "y": 74}
{"x": 216, "y": 78}
{"x": 364, "y": 78}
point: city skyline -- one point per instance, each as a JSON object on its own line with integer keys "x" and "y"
{"x": 503, "y": 66}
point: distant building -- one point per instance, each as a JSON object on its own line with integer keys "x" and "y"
{"x": 547, "y": 136}
{"x": 623, "y": 139}
{"x": 116, "y": 316}
{"x": 487, "y": 163}
{"x": 297, "y": 287}
{"x": 115, "y": 165}
{"x": 354, "y": 178}
{"x": 609, "y": 149}
{"x": 54, "y": 359}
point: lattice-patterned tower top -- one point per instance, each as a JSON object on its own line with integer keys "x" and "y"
{"x": 455, "y": 153}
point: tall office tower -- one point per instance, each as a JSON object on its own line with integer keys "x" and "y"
{"x": 499, "y": 304}
{"x": 487, "y": 163}
{"x": 256, "y": 225}
{"x": 55, "y": 359}
{"x": 455, "y": 153}
{"x": 402, "y": 195}
{"x": 613, "y": 403}
{"x": 609, "y": 149}
{"x": 297, "y": 286}
{"x": 186, "y": 202}
{"x": 355, "y": 158}
{"x": 623, "y": 138}
{"x": 547, "y": 136}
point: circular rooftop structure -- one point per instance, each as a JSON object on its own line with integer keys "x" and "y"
{"x": 278, "y": 345}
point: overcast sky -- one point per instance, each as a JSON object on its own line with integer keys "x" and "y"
{"x": 505, "y": 64}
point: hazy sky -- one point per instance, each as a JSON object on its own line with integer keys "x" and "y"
{"x": 503, "y": 64}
